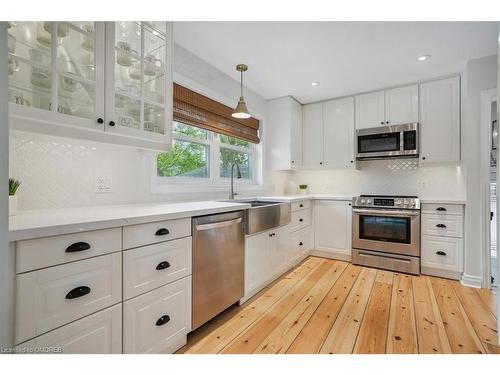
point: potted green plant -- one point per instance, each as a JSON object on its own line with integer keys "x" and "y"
{"x": 13, "y": 186}
{"x": 303, "y": 189}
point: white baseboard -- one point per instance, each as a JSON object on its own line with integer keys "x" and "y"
{"x": 472, "y": 281}
{"x": 440, "y": 273}
{"x": 331, "y": 255}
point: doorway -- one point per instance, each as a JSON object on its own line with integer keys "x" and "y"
{"x": 490, "y": 141}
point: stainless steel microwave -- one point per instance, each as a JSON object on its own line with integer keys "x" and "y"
{"x": 388, "y": 142}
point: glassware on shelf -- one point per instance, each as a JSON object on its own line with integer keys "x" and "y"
{"x": 62, "y": 28}
{"x": 41, "y": 75}
{"x": 87, "y": 43}
{"x": 135, "y": 71}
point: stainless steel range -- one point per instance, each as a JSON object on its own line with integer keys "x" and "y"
{"x": 386, "y": 232}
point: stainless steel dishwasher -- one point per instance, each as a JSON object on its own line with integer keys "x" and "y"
{"x": 218, "y": 264}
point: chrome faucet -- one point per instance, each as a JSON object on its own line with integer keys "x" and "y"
{"x": 231, "y": 192}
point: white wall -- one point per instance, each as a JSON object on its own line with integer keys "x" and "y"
{"x": 480, "y": 74}
{"x": 403, "y": 177}
{"x": 60, "y": 172}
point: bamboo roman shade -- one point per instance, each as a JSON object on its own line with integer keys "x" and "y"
{"x": 198, "y": 110}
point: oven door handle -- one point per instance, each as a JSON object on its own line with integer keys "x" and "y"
{"x": 397, "y": 213}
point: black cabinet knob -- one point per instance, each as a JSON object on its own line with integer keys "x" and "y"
{"x": 381, "y": 123}
{"x": 79, "y": 291}
{"x": 440, "y": 209}
{"x": 163, "y": 265}
{"x": 77, "y": 246}
{"x": 301, "y": 220}
{"x": 163, "y": 320}
{"x": 387, "y": 122}
{"x": 440, "y": 225}
{"x": 423, "y": 157}
{"x": 162, "y": 232}
{"x": 440, "y": 253}
{"x": 321, "y": 163}
{"x": 352, "y": 161}
{"x": 111, "y": 123}
{"x": 293, "y": 161}
{"x": 100, "y": 120}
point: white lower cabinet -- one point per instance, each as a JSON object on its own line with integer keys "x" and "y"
{"x": 149, "y": 267}
{"x": 158, "y": 321}
{"x": 48, "y": 298}
{"x": 99, "y": 333}
{"x": 332, "y": 229}
{"x": 442, "y": 243}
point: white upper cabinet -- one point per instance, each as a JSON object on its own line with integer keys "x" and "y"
{"x": 440, "y": 120}
{"x": 312, "y": 135}
{"x": 389, "y": 107}
{"x": 284, "y": 118}
{"x": 100, "y": 81}
{"x": 370, "y": 110}
{"x": 401, "y": 105}
{"x": 338, "y": 118}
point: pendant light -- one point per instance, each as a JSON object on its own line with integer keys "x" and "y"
{"x": 241, "y": 110}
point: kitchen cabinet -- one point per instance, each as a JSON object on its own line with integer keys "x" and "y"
{"x": 284, "y": 118}
{"x": 370, "y": 110}
{"x": 333, "y": 229}
{"x": 440, "y": 121}
{"x": 338, "y": 119}
{"x": 328, "y": 134}
{"x": 389, "y": 107}
{"x": 442, "y": 243}
{"x": 312, "y": 135}
{"x": 103, "y": 81}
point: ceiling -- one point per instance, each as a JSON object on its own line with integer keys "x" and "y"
{"x": 284, "y": 58}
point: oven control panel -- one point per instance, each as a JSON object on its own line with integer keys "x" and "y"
{"x": 399, "y": 202}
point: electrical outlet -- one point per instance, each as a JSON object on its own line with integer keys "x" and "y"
{"x": 103, "y": 183}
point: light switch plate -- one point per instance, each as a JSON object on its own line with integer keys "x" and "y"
{"x": 103, "y": 183}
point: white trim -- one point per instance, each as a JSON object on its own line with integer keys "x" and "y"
{"x": 331, "y": 255}
{"x": 487, "y": 97}
{"x": 471, "y": 280}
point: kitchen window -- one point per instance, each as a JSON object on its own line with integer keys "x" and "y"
{"x": 199, "y": 155}
{"x": 206, "y": 141}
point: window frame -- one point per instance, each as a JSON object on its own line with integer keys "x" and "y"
{"x": 214, "y": 180}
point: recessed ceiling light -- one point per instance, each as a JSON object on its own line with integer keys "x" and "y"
{"x": 314, "y": 83}
{"x": 424, "y": 57}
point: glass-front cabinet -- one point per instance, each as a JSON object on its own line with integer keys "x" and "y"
{"x": 106, "y": 81}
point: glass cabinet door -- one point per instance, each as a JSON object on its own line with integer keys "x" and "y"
{"x": 141, "y": 75}
{"x": 57, "y": 67}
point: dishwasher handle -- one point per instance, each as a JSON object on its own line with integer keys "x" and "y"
{"x": 220, "y": 224}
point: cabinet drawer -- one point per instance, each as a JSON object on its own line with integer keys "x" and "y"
{"x": 158, "y": 321}
{"x": 49, "y": 298}
{"x": 442, "y": 209}
{"x": 300, "y": 219}
{"x": 99, "y": 333}
{"x": 302, "y": 205}
{"x": 149, "y": 267}
{"x": 448, "y": 226}
{"x": 51, "y": 251}
{"x": 160, "y": 231}
{"x": 442, "y": 252}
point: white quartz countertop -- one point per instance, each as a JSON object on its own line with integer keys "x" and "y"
{"x": 442, "y": 200}
{"x": 297, "y": 198}
{"x": 35, "y": 224}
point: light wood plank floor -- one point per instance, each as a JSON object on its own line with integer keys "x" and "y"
{"x": 328, "y": 306}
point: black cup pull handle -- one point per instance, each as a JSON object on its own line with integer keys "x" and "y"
{"x": 163, "y": 265}
{"x": 440, "y": 252}
{"x": 162, "y": 232}
{"x": 441, "y": 225}
{"x": 301, "y": 205}
{"x": 440, "y": 209}
{"x": 79, "y": 291}
{"x": 78, "y": 246}
{"x": 163, "y": 320}
{"x": 301, "y": 244}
